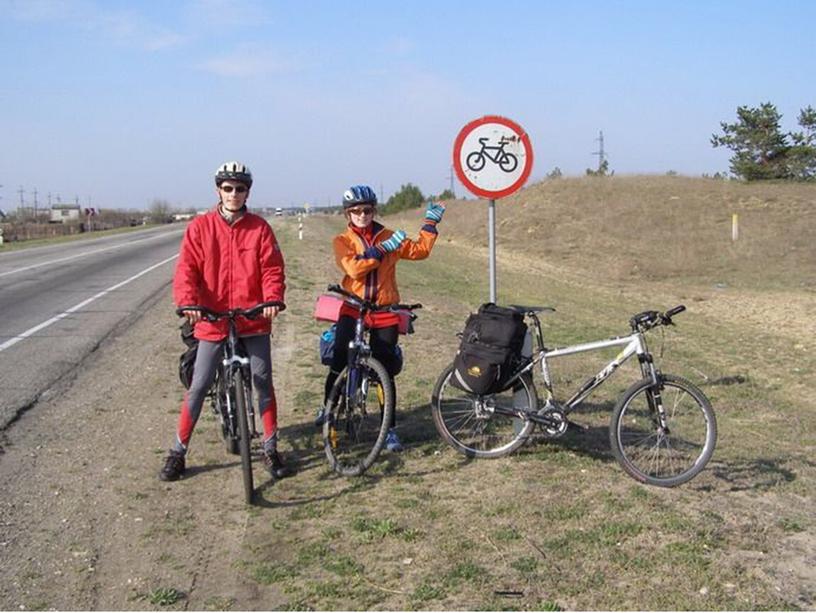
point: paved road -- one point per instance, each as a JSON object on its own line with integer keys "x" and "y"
{"x": 57, "y": 303}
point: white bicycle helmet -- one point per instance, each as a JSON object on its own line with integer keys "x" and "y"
{"x": 233, "y": 171}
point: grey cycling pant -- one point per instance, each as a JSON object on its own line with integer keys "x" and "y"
{"x": 208, "y": 359}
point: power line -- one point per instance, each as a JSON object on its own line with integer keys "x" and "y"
{"x": 600, "y": 153}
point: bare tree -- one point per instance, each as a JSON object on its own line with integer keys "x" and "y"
{"x": 159, "y": 211}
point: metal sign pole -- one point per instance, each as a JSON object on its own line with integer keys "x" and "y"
{"x": 491, "y": 244}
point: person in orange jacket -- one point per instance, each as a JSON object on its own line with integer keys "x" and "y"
{"x": 229, "y": 258}
{"x": 367, "y": 254}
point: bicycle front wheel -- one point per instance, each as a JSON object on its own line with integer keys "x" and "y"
{"x": 244, "y": 442}
{"x": 663, "y": 456}
{"x": 489, "y": 426}
{"x": 358, "y": 415}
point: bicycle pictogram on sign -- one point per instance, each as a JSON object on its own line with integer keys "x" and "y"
{"x": 505, "y": 160}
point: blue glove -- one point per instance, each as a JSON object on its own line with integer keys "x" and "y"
{"x": 393, "y": 243}
{"x": 371, "y": 252}
{"x": 434, "y": 212}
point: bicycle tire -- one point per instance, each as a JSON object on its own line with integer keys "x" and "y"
{"x": 353, "y": 436}
{"x": 484, "y": 434}
{"x": 478, "y": 161}
{"x": 508, "y": 163}
{"x": 659, "y": 458}
{"x": 244, "y": 440}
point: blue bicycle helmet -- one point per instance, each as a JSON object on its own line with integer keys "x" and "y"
{"x": 358, "y": 194}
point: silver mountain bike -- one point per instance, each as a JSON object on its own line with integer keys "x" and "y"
{"x": 663, "y": 429}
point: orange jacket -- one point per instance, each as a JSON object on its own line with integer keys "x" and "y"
{"x": 373, "y": 278}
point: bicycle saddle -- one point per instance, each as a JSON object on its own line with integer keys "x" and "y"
{"x": 530, "y": 309}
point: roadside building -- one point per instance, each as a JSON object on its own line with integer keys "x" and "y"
{"x": 65, "y": 213}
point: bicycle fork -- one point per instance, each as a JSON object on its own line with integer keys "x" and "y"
{"x": 654, "y": 395}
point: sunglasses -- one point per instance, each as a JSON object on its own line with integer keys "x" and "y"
{"x": 239, "y": 189}
{"x": 363, "y": 210}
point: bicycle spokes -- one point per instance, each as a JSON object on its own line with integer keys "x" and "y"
{"x": 355, "y": 430}
{"x": 483, "y": 426}
{"x": 664, "y": 438}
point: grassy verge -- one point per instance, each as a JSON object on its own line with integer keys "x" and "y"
{"x": 558, "y": 525}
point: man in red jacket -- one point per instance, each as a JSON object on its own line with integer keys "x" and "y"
{"x": 229, "y": 259}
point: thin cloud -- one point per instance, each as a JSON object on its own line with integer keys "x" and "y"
{"x": 220, "y": 13}
{"x": 400, "y": 45}
{"x": 249, "y": 61}
{"x": 122, "y": 27}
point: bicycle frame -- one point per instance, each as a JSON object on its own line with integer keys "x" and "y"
{"x": 633, "y": 344}
{"x": 499, "y": 149}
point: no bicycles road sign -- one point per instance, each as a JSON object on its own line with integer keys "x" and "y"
{"x": 493, "y": 156}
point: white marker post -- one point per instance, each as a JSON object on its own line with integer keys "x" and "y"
{"x": 493, "y": 158}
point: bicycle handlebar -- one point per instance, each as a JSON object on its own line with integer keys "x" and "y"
{"x": 212, "y": 316}
{"x": 368, "y": 305}
{"x": 651, "y": 319}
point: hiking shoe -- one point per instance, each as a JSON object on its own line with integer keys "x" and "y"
{"x": 320, "y": 418}
{"x": 392, "y": 442}
{"x": 275, "y": 466}
{"x": 173, "y": 466}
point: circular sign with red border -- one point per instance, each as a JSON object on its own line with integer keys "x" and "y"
{"x": 493, "y": 156}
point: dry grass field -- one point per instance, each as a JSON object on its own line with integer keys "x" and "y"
{"x": 557, "y": 525}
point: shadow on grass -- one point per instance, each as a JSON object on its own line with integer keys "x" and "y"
{"x": 757, "y": 474}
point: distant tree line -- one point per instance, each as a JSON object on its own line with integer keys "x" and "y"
{"x": 410, "y": 196}
{"x": 762, "y": 151}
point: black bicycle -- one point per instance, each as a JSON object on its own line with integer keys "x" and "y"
{"x": 231, "y": 391}
{"x": 361, "y": 402}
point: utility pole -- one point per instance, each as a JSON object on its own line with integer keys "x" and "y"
{"x": 21, "y": 191}
{"x": 600, "y": 153}
{"x": 35, "y": 205}
{"x": 49, "y": 200}
{"x": 451, "y": 181}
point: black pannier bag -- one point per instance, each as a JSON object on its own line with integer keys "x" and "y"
{"x": 188, "y": 358}
{"x": 491, "y": 347}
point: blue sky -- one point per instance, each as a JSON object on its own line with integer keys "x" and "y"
{"x": 123, "y": 102}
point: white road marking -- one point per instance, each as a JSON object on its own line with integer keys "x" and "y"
{"x": 24, "y": 335}
{"x": 80, "y": 255}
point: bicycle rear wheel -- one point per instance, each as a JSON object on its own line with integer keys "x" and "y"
{"x": 358, "y": 414}
{"x": 244, "y": 442}
{"x": 489, "y": 426}
{"x": 654, "y": 455}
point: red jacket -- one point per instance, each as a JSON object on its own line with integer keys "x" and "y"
{"x": 225, "y": 267}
